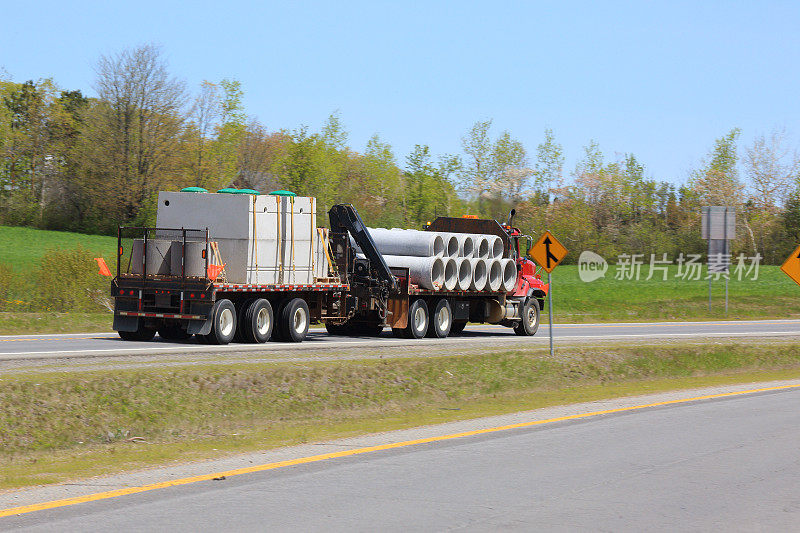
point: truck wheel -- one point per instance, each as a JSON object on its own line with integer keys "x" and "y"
{"x": 457, "y": 327}
{"x": 530, "y": 318}
{"x": 172, "y": 332}
{"x": 257, "y": 321}
{"x": 441, "y": 320}
{"x": 223, "y": 327}
{"x": 417, "y": 320}
{"x": 369, "y": 329}
{"x": 279, "y": 331}
{"x": 295, "y": 320}
{"x": 142, "y": 333}
{"x": 338, "y": 329}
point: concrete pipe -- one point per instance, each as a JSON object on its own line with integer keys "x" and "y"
{"x": 412, "y": 243}
{"x": 466, "y": 244}
{"x": 194, "y": 261}
{"x": 509, "y": 274}
{"x": 450, "y": 273}
{"x": 480, "y": 247}
{"x": 495, "y": 247}
{"x": 157, "y": 256}
{"x": 480, "y": 274}
{"x": 495, "y": 280}
{"x": 424, "y": 272}
{"x": 464, "y": 273}
{"x": 451, "y": 244}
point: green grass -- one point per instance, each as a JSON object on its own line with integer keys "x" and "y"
{"x": 772, "y": 295}
{"x": 57, "y": 425}
{"x": 14, "y": 323}
{"x": 22, "y": 248}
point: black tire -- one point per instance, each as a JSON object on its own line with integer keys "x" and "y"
{"x": 369, "y": 329}
{"x": 172, "y": 332}
{"x": 457, "y": 327}
{"x": 295, "y": 320}
{"x": 417, "y": 320}
{"x": 338, "y": 329}
{"x": 223, "y": 326}
{"x": 241, "y": 306}
{"x": 143, "y": 333}
{"x": 279, "y": 330}
{"x": 440, "y": 320}
{"x": 530, "y": 318}
{"x": 257, "y": 321}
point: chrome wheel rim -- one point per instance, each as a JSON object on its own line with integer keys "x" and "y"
{"x": 299, "y": 321}
{"x": 263, "y": 321}
{"x": 419, "y": 319}
{"x": 531, "y": 316}
{"x": 443, "y": 319}
{"x": 226, "y": 322}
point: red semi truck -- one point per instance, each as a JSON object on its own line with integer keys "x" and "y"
{"x": 359, "y": 296}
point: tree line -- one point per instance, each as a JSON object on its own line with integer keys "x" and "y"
{"x": 88, "y": 164}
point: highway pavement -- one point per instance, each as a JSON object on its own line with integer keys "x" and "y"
{"x": 27, "y": 347}
{"x": 725, "y": 463}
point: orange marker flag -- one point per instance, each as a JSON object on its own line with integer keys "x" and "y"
{"x": 214, "y": 270}
{"x": 104, "y": 271}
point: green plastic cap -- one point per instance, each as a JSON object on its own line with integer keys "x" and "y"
{"x": 247, "y": 191}
{"x": 228, "y": 190}
{"x": 193, "y": 189}
{"x": 282, "y": 193}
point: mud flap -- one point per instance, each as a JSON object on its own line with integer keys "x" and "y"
{"x": 200, "y": 327}
{"x": 125, "y": 323}
{"x": 397, "y": 317}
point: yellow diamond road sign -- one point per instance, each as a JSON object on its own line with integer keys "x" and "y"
{"x": 548, "y": 252}
{"x": 792, "y": 266}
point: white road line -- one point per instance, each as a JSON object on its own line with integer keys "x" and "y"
{"x": 113, "y": 334}
{"x": 7, "y": 356}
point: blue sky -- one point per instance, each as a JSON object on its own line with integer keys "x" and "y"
{"x": 659, "y": 79}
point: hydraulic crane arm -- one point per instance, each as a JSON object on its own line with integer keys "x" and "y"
{"x": 345, "y": 218}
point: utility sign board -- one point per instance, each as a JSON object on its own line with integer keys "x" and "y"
{"x": 791, "y": 267}
{"x": 718, "y": 222}
{"x": 548, "y": 252}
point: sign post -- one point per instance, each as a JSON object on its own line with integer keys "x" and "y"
{"x": 548, "y": 252}
{"x": 718, "y": 227}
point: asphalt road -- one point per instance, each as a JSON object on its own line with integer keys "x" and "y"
{"x": 26, "y": 347}
{"x": 725, "y": 464}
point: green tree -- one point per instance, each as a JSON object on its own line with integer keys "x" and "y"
{"x": 231, "y": 132}
{"x": 549, "y": 167}
{"x": 716, "y": 182}
{"x": 132, "y": 136}
{"x": 428, "y": 190}
{"x": 494, "y": 172}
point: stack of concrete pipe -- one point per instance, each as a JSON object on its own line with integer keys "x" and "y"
{"x": 448, "y": 261}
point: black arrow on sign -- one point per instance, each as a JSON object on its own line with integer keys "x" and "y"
{"x": 547, "y": 242}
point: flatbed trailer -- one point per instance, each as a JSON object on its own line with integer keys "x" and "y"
{"x": 363, "y": 298}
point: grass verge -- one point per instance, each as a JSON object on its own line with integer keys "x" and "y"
{"x": 58, "y": 426}
{"x": 770, "y": 295}
{"x": 14, "y": 323}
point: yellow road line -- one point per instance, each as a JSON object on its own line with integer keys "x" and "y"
{"x": 670, "y": 324}
{"x": 346, "y": 453}
{"x": 56, "y": 339}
